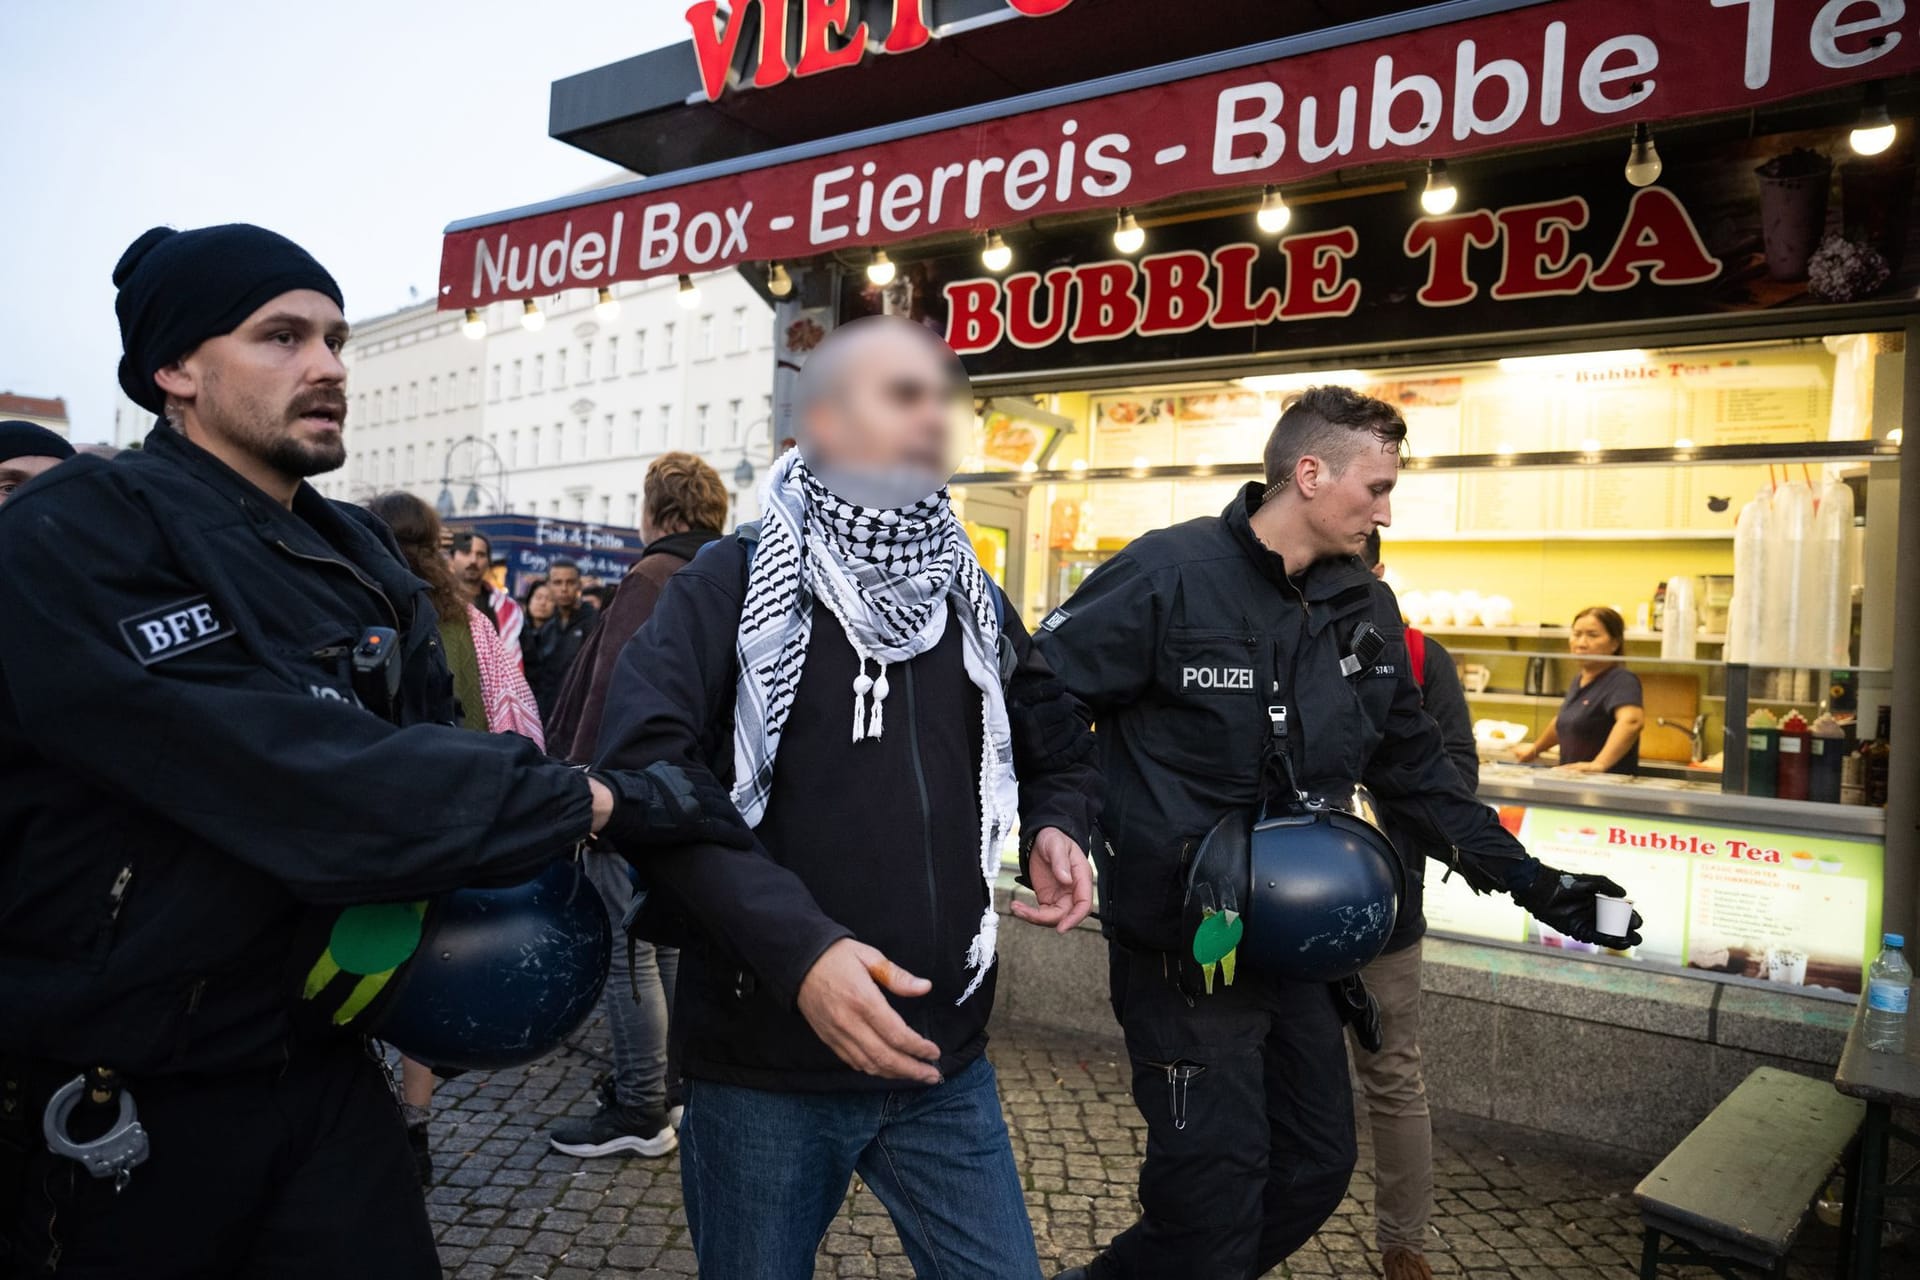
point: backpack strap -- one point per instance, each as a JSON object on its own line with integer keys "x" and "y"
{"x": 1417, "y": 657}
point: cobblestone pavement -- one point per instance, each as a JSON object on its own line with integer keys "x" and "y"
{"x": 1510, "y": 1204}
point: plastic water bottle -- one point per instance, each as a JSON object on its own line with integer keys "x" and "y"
{"x": 1889, "y": 982}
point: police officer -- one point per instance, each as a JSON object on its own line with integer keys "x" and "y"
{"x": 1200, "y": 648}
{"x": 232, "y": 723}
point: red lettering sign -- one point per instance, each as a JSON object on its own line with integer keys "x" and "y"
{"x": 832, "y": 35}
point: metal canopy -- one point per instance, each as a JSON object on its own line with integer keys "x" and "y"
{"x": 648, "y": 113}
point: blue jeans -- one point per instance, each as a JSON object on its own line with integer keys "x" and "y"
{"x": 638, "y": 999}
{"x": 764, "y": 1173}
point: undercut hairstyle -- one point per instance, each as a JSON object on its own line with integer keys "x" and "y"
{"x": 683, "y": 492}
{"x": 823, "y": 376}
{"x": 1610, "y": 622}
{"x": 1334, "y": 424}
{"x": 416, "y": 527}
{"x": 556, "y": 565}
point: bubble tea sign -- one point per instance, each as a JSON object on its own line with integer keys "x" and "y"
{"x": 1779, "y": 907}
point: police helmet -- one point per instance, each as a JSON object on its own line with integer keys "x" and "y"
{"x": 1314, "y": 888}
{"x": 501, "y": 975}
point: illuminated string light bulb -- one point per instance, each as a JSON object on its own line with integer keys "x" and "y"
{"x": 779, "y": 282}
{"x": 996, "y": 256}
{"x": 606, "y": 306}
{"x": 473, "y": 326}
{"x": 1873, "y": 133}
{"x": 1128, "y": 235}
{"x": 532, "y": 319}
{"x": 1274, "y": 213}
{"x": 1643, "y": 158}
{"x": 689, "y": 295}
{"x": 1440, "y": 195}
{"x": 881, "y": 270}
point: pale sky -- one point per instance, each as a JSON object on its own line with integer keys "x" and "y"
{"x": 360, "y": 128}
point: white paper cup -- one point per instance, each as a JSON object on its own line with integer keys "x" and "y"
{"x": 1613, "y": 916}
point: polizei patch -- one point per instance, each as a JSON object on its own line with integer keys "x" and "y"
{"x": 1055, "y": 619}
{"x": 174, "y": 629}
{"x": 1216, "y": 677}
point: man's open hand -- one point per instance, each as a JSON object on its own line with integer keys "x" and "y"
{"x": 841, "y": 1000}
{"x": 1062, "y": 882}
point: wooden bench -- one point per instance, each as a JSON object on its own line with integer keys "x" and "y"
{"x": 1734, "y": 1193}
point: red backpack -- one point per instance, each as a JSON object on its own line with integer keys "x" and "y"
{"x": 1417, "y": 657}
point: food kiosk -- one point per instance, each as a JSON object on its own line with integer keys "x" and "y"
{"x": 1631, "y": 270}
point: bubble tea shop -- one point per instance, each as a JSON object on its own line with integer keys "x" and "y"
{"x": 1639, "y": 275}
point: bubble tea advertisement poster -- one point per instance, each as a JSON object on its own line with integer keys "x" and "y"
{"x": 1774, "y": 906}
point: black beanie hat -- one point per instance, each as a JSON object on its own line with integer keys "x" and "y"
{"x": 31, "y": 440}
{"x": 179, "y": 288}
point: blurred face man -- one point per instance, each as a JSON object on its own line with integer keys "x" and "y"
{"x": 270, "y": 398}
{"x": 878, "y": 411}
{"x": 563, "y": 581}
{"x": 472, "y": 557}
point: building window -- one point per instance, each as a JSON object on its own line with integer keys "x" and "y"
{"x": 639, "y": 350}
{"x": 473, "y": 384}
{"x": 513, "y": 387}
{"x": 539, "y": 374}
{"x": 613, "y": 357}
{"x": 664, "y": 432}
{"x": 560, "y": 368}
{"x": 392, "y": 466}
{"x": 378, "y": 407}
{"x": 700, "y": 441}
{"x": 606, "y": 508}
{"x": 433, "y": 394}
{"x": 407, "y": 476}
{"x": 493, "y": 383}
{"x": 513, "y": 448}
{"x": 581, "y": 450}
{"x": 639, "y": 427}
{"x": 739, "y": 328}
{"x": 586, "y": 362}
{"x": 633, "y": 511}
{"x": 606, "y": 440}
{"x": 553, "y": 508}
{"x": 393, "y": 403}
{"x": 535, "y": 449}
{"x": 704, "y": 351}
{"x": 733, "y": 422}
{"x": 668, "y": 339}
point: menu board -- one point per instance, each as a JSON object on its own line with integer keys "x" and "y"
{"x": 1222, "y": 427}
{"x": 1790, "y": 908}
{"x": 1132, "y": 430}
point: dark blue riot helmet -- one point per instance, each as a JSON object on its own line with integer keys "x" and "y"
{"x": 1304, "y": 888}
{"x": 500, "y": 976}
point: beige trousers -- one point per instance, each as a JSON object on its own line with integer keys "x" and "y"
{"x": 1397, "y": 1110}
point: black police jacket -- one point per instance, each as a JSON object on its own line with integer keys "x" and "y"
{"x": 877, "y": 840}
{"x": 1181, "y": 643}
{"x": 193, "y": 788}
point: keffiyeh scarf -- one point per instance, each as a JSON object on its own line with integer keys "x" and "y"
{"x": 887, "y": 575}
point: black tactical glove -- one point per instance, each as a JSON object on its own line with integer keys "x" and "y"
{"x": 1565, "y": 901}
{"x": 663, "y": 804}
{"x": 1359, "y": 1010}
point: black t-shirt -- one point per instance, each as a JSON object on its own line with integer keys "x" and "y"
{"x": 1587, "y": 715}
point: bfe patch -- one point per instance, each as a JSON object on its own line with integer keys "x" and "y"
{"x": 174, "y": 629}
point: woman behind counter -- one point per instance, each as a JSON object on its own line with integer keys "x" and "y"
{"x": 1598, "y": 726}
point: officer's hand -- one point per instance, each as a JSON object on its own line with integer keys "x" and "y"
{"x": 602, "y": 804}
{"x": 1565, "y": 901}
{"x": 841, "y": 1000}
{"x": 664, "y": 804}
{"x": 1061, "y": 881}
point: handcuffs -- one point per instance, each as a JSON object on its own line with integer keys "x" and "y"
{"x": 114, "y": 1154}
